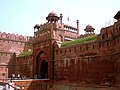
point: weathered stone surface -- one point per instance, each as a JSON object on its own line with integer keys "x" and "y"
{"x": 87, "y": 63}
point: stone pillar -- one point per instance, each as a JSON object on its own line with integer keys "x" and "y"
{"x": 61, "y": 19}
{"x": 77, "y": 26}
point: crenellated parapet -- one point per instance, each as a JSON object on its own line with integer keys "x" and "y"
{"x": 100, "y": 56}
{"x": 46, "y": 31}
{"x": 42, "y": 26}
{"x": 14, "y": 37}
{"x": 46, "y": 26}
{"x": 42, "y": 35}
{"x": 110, "y": 31}
{"x": 10, "y": 43}
{"x": 42, "y": 29}
{"x": 105, "y": 41}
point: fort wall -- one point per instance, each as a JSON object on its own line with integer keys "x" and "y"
{"x": 91, "y": 62}
{"x": 14, "y": 37}
{"x": 10, "y": 44}
{"x": 5, "y": 58}
{"x": 24, "y": 66}
{"x": 95, "y": 63}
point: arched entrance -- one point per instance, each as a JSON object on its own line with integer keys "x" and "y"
{"x": 41, "y": 66}
{"x": 44, "y": 69}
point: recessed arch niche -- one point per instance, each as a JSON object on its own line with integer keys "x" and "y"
{"x": 41, "y": 66}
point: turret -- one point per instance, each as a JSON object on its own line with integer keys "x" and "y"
{"x": 89, "y": 29}
{"x": 52, "y": 17}
{"x": 37, "y": 26}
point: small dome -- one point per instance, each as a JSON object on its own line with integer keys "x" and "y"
{"x": 52, "y": 14}
{"x": 89, "y": 26}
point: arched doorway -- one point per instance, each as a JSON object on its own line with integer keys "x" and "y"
{"x": 41, "y": 66}
{"x": 44, "y": 69}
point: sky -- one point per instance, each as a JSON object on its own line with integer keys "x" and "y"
{"x": 20, "y": 16}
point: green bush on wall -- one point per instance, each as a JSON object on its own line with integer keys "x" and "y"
{"x": 80, "y": 40}
{"x": 25, "y": 53}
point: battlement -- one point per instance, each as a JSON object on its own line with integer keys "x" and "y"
{"x": 47, "y": 26}
{"x": 56, "y": 25}
{"x": 15, "y": 37}
{"x": 110, "y": 31}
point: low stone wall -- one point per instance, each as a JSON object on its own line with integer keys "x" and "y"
{"x": 72, "y": 87}
{"x": 32, "y": 84}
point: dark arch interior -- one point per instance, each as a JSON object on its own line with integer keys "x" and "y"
{"x": 44, "y": 70}
{"x": 41, "y": 68}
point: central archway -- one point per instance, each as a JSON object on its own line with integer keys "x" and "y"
{"x": 41, "y": 66}
{"x": 44, "y": 69}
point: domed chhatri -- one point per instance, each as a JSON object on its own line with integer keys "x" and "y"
{"x": 52, "y": 16}
{"x": 89, "y": 28}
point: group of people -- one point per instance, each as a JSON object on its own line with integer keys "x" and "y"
{"x": 11, "y": 85}
{"x": 14, "y": 77}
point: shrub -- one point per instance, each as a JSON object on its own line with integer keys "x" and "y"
{"x": 25, "y": 54}
{"x": 80, "y": 40}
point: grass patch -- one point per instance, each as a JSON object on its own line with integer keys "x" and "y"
{"x": 25, "y": 54}
{"x": 80, "y": 40}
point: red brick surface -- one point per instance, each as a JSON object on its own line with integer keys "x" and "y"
{"x": 96, "y": 62}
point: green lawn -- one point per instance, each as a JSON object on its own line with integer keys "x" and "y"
{"x": 80, "y": 40}
{"x": 25, "y": 54}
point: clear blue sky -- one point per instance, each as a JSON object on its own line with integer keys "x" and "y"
{"x": 19, "y": 16}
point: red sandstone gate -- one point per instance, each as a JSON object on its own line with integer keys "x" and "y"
{"x": 41, "y": 66}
